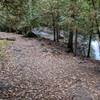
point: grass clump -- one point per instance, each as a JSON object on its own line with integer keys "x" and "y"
{"x": 3, "y": 45}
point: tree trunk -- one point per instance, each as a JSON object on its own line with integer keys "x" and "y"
{"x": 70, "y": 42}
{"x": 57, "y": 25}
{"x": 54, "y": 29}
{"x": 9, "y": 29}
{"x": 98, "y": 34}
{"x": 76, "y": 36}
{"x": 57, "y": 31}
{"x": 54, "y": 32}
{"x": 89, "y": 47}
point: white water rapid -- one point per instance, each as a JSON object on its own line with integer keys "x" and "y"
{"x": 96, "y": 49}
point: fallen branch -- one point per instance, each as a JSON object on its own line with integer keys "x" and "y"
{"x": 9, "y": 39}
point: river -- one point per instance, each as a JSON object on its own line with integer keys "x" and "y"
{"x": 95, "y": 44}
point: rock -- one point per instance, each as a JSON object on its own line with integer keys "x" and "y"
{"x": 31, "y": 34}
{"x": 79, "y": 93}
{"x": 55, "y": 51}
{"x": 97, "y": 86}
{"x": 44, "y": 50}
{"x": 42, "y": 44}
{"x": 4, "y": 87}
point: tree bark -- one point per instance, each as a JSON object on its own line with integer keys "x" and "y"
{"x": 76, "y": 36}
{"x": 70, "y": 41}
{"x": 9, "y": 29}
{"x": 54, "y": 29}
{"x": 57, "y": 31}
{"x": 89, "y": 47}
{"x": 57, "y": 26}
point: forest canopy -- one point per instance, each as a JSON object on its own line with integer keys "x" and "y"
{"x": 74, "y": 16}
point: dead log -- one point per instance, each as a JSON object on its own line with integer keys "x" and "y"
{"x": 8, "y": 39}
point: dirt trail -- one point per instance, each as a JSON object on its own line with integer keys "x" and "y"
{"x": 35, "y": 72}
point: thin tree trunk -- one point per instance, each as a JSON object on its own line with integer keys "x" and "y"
{"x": 76, "y": 36}
{"x": 57, "y": 31}
{"x": 9, "y": 29}
{"x": 89, "y": 47}
{"x": 70, "y": 42}
{"x": 57, "y": 25}
{"x": 54, "y": 29}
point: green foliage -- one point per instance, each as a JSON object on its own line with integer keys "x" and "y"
{"x": 19, "y": 14}
{"x": 71, "y": 16}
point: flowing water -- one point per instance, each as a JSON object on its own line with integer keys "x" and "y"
{"x": 42, "y": 33}
{"x": 95, "y": 44}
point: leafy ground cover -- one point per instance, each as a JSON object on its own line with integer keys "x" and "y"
{"x": 37, "y": 70}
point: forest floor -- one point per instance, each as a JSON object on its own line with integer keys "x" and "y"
{"x": 35, "y": 69}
